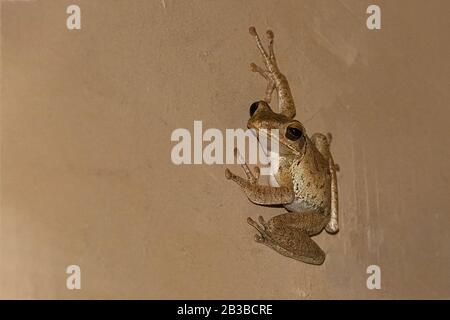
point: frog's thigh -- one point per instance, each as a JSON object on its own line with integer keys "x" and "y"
{"x": 295, "y": 243}
{"x": 310, "y": 222}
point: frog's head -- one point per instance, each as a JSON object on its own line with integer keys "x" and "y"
{"x": 292, "y": 134}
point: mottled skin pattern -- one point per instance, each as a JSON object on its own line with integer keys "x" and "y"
{"x": 304, "y": 181}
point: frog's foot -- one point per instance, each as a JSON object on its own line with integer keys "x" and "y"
{"x": 263, "y": 222}
{"x": 256, "y": 193}
{"x": 231, "y": 176}
{"x": 270, "y": 81}
{"x": 263, "y": 235}
{"x": 252, "y": 178}
{"x": 259, "y": 237}
{"x": 332, "y": 226}
{"x": 261, "y": 71}
{"x": 273, "y": 75}
{"x": 268, "y": 58}
{"x": 269, "y": 61}
{"x": 248, "y": 184}
{"x": 290, "y": 242}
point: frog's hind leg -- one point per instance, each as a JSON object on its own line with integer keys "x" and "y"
{"x": 272, "y": 73}
{"x": 289, "y": 235}
{"x": 322, "y": 143}
{"x": 309, "y": 221}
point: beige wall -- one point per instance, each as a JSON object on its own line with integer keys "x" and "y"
{"x": 86, "y": 175}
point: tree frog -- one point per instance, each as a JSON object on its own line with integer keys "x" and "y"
{"x": 304, "y": 181}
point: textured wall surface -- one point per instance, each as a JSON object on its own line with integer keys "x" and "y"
{"x": 86, "y": 175}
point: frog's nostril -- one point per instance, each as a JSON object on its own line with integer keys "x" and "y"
{"x": 253, "y": 108}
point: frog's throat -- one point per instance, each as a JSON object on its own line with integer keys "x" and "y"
{"x": 302, "y": 154}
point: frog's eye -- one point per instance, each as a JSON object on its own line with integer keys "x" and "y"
{"x": 253, "y": 108}
{"x": 293, "y": 133}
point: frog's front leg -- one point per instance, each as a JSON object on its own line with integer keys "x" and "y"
{"x": 259, "y": 194}
{"x": 289, "y": 234}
